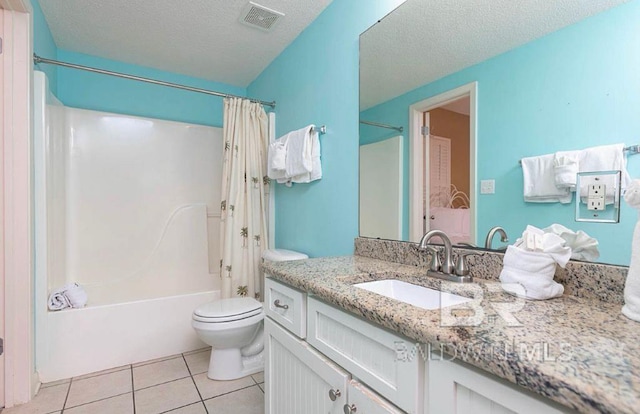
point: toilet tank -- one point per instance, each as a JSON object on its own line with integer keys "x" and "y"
{"x": 282, "y": 255}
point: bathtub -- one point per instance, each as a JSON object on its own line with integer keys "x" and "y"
{"x": 81, "y": 341}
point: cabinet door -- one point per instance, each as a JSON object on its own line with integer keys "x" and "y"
{"x": 364, "y": 400}
{"x": 459, "y": 389}
{"x": 299, "y": 379}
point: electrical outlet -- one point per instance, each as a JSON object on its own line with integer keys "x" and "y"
{"x": 595, "y": 199}
{"x": 487, "y": 186}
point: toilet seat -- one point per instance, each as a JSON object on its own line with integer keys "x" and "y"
{"x": 227, "y": 310}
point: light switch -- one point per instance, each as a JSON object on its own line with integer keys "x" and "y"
{"x": 487, "y": 186}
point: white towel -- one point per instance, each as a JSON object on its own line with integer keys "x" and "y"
{"x": 631, "y": 308}
{"x": 71, "y": 295}
{"x": 601, "y": 158}
{"x": 539, "y": 181}
{"x": 299, "y": 146}
{"x": 276, "y": 150}
{"x": 565, "y": 169}
{"x": 529, "y": 274}
{"x": 316, "y": 165}
{"x": 583, "y": 247}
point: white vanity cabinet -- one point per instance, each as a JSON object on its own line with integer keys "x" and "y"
{"x": 300, "y": 379}
{"x": 458, "y": 388}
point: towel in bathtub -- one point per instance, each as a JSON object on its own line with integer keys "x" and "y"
{"x": 68, "y": 296}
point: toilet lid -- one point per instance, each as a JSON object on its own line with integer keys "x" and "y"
{"x": 225, "y": 310}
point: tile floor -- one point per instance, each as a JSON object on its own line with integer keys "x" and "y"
{"x": 176, "y": 384}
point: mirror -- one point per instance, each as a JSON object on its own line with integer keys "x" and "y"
{"x": 547, "y": 80}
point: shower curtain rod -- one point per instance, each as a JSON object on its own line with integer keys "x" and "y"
{"x": 376, "y": 124}
{"x": 37, "y": 59}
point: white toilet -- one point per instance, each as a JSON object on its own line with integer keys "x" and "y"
{"x": 233, "y": 328}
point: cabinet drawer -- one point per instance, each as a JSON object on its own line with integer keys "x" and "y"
{"x": 287, "y": 306}
{"x": 298, "y": 379}
{"x": 369, "y": 353}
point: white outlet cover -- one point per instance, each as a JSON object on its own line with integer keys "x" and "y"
{"x": 487, "y": 186}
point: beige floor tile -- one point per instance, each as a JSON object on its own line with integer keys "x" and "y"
{"x": 97, "y": 388}
{"x": 48, "y": 400}
{"x": 166, "y": 396}
{"x": 54, "y": 383}
{"x": 209, "y": 388}
{"x": 159, "y": 372}
{"x": 153, "y": 361}
{"x": 106, "y": 371}
{"x": 197, "y": 408}
{"x": 246, "y": 401}
{"x": 259, "y": 377}
{"x": 198, "y": 362}
{"x": 122, "y": 404}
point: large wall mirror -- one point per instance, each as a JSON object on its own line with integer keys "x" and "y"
{"x": 494, "y": 82}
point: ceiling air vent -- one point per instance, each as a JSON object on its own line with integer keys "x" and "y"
{"x": 260, "y": 17}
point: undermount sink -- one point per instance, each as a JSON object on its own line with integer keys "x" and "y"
{"x": 419, "y": 296}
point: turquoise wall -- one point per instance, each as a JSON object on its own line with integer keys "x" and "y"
{"x": 81, "y": 89}
{"x": 44, "y": 45}
{"x": 572, "y": 89}
{"x": 315, "y": 80}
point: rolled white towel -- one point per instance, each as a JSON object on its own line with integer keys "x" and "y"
{"x": 529, "y": 274}
{"x": 58, "y": 301}
{"x": 631, "y": 308}
{"x": 70, "y": 295}
{"x": 566, "y": 168}
{"x": 76, "y": 296}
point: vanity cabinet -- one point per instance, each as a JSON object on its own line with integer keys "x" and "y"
{"x": 457, "y": 388}
{"x": 300, "y": 379}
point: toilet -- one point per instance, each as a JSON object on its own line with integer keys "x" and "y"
{"x": 234, "y": 329}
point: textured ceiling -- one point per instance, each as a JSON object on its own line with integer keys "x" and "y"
{"x": 201, "y": 38}
{"x": 424, "y": 40}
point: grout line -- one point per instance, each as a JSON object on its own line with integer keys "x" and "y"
{"x": 162, "y": 383}
{"x": 100, "y": 373}
{"x": 194, "y": 384}
{"x": 182, "y": 406}
{"x": 155, "y": 361}
{"x": 133, "y": 391}
{"x": 231, "y": 392}
{"x": 98, "y": 400}
{"x": 64, "y": 405}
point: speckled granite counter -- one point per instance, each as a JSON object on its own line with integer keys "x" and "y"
{"x": 581, "y": 352}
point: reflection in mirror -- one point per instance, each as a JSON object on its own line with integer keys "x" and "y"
{"x": 548, "y": 79}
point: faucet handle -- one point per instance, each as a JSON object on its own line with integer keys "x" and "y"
{"x": 462, "y": 268}
{"x": 435, "y": 258}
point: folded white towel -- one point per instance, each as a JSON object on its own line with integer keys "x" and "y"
{"x": 539, "y": 181}
{"x": 551, "y": 244}
{"x": 299, "y": 146}
{"x": 71, "y": 295}
{"x": 631, "y": 308}
{"x": 276, "y": 150}
{"x": 605, "y": 158}
{"x": 565, "y": 169}
{"x": 316, "y": 169}
{"x": 583, "y": 247}
{"x": 529, "y": 274}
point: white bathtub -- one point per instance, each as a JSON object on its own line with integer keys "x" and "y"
{"x": 80, "y": 341}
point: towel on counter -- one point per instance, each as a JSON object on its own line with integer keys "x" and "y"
{"x": 539, "y": 181}
{"x": 631, "y": 308}
{"x": 529, "y": 274}
{"x": 68, "y": 296}
{"x": 583, "y": 247}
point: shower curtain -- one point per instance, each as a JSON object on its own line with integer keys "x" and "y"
{"x": 243, "y": 222}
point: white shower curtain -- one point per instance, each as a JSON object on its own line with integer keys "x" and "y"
{"x": 243, "y": 222}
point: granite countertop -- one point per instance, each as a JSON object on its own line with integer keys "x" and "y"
{"x": 582, "y": 353}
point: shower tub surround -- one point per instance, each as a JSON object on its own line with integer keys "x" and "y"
{"x": 127, "y": 207}
{"x": 588, "y": 353}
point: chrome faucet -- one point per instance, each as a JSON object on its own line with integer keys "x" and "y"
{"x": 447, "y": 265}
{"x": 492, "y": 232}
